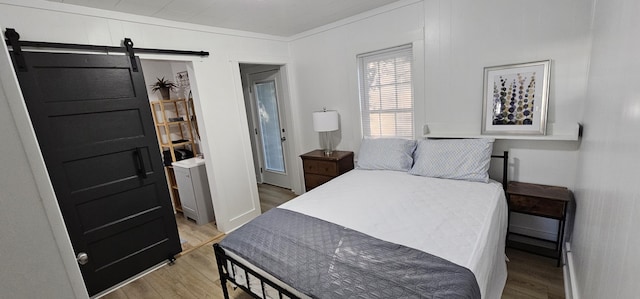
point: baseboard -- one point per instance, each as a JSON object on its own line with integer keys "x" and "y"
{"x": 570, "y": 285}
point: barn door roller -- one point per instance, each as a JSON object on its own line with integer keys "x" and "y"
{"x": 128, "y": 44}
{"x": 13, "y": 40}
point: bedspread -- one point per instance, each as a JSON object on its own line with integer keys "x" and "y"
{"x": 325, "y": 260}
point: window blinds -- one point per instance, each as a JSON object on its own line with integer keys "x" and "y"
{"x": 386, "y": 93}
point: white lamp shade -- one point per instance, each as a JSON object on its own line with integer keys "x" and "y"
{"x": 325, "y": 121}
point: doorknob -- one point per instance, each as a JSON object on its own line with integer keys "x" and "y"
{"x": 82, "y": 258}
{"x": 283, "y": 139}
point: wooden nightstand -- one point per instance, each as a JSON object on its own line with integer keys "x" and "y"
{"x": 543, "y": 201}
{"x": 319, "y": 169}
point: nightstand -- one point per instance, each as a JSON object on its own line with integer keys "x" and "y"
{"x": 542, "y": 201}
{"x": 319, "y": 169}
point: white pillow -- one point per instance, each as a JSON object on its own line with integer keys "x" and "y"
{"x": 458, "y": 159}
{"x": 386, "y": 154}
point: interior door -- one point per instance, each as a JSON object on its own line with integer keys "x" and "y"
{"x": 92, "y": 120}
{"x": 269, "y": 124}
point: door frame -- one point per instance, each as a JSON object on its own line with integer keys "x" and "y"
{"x": 252, "y": 117}
{"x": 288, "y": 107}
{"x": 26, "y": 133}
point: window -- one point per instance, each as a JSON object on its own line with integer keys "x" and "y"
{"x": 386, "y": 92}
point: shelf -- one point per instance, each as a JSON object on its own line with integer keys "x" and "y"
{"x": 176, "y": 144}
{"x": 171, "y": 123}
{"x": 168, "y": 101}
{"x": 163, "y": 115}
{"x": 558, "y": 132}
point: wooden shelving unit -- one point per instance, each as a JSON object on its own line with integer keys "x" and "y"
{"x": 173, "y": 118}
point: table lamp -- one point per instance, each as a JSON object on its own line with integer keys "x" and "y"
{"x": 324, "y": 122}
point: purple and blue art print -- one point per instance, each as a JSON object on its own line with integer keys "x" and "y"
{"x": 513, "y": 97}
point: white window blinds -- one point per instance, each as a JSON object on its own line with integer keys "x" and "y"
{"x": 386, "y": 93}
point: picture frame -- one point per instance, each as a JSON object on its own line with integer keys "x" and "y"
{"x": 515, "y": 99}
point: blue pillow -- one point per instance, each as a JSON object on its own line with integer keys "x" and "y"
{"x": 458, "y": 159}
{"x": 386, "y": 154}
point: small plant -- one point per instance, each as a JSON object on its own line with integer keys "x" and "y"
{"x": 164, "y": 86}
{"x": 162, "y": 83}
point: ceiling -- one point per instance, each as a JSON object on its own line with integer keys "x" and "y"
{"x": 275, "y": 17}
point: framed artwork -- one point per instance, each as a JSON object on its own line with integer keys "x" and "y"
{"x": 184, "y": 88}
{"x": 515, "y": 99}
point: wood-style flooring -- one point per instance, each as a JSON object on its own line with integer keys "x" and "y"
{"x": 272, "y": 196}
{"x": 532, "y": 276}
{"x": 194, "y": 274}
{"x": 193, "y": 236}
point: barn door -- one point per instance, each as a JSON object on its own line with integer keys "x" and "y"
{"x": 92, "y": 119}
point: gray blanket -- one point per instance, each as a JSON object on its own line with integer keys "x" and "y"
{"x": 325, "y": 260}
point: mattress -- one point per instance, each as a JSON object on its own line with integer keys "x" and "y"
{"x": 460, "y": 221}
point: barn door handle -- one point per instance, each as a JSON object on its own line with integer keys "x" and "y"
{"x": 141, "y": 171}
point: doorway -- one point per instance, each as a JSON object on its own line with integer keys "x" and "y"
{"x": 179, "y": 139}
{"x": 264, "y": 96}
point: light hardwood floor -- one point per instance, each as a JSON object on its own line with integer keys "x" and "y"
{"x": 193, "y": 236}
{"x": 195, "y": 274}
{"x": 272, "y": 196}
{"x": 532, "y": 276}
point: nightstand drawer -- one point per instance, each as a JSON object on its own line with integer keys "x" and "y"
{"x": 313, "y": 180}
{"x": 537, "y": 206}
{"x": 327, "y": 168}
{"x": 320, "y": 168}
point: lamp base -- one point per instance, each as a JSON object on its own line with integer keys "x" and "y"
{"x": 327, "y": 144}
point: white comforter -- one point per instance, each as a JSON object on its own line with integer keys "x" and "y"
{"x": 463, "y": 222}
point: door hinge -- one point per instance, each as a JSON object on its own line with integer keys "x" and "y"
{"x": 256, "y": 130}
{"x": 260, "y": 169}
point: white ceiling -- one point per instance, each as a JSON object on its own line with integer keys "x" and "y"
{"x": 275, "y": 17}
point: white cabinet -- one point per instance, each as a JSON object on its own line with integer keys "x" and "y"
{"x": 193, "y": 188}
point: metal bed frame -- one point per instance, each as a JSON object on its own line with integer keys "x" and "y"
{"x": 229, "y": 273}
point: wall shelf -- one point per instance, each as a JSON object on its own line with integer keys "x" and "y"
{"x": 555, "y": 131}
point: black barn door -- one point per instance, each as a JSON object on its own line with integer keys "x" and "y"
{"x": 93, "y": 122}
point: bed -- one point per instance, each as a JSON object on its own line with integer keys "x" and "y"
{"x": 415, "y": 219}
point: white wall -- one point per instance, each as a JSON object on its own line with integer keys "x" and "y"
{"x": 605, "y": 242}
{"x": 325, "y": 67}
{"x": 32, "y": 264}
{"x": 222, "y": 120}
{"x": 463, "y": 37}
{"x": 456, "y": 39}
